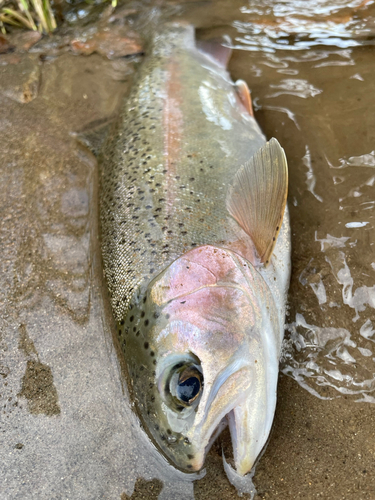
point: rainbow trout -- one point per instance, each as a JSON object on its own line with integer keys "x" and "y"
{"x": 196, "y": 250}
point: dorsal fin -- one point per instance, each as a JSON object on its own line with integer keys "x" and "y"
{"x": 217, "y": 49}
{"x": 257, "y": 197}
{"x": 244, "y": 94}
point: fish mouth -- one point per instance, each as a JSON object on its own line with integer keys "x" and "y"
{"x": 229, "y": 389}
{"x": 248, "y": 409}
{"x": 246, "y": 447}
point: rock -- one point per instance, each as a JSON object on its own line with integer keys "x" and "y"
{"x": 4, "y": 45}
{"x": 112, "y": 44}
{"x": 25, "y": 40}
{"x": 20, "y": 77}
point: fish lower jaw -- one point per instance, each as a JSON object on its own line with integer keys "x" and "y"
{"x": 200, "y": 457}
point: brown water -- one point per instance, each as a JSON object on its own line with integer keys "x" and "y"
{"x": 66, "y": 426}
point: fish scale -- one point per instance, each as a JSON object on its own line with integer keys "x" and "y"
{"x": 167, "y": 165}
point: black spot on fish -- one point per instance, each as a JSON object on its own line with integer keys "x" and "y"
{"x": 146, "y": 344}
{"x": 190, "y": 457}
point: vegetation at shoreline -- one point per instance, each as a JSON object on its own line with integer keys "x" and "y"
{"x": 36, "y": 15}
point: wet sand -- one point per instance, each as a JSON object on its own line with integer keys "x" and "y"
{"x": 66, "y": 427}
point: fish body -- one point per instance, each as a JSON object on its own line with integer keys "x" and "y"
{"x": 200, "y": 316}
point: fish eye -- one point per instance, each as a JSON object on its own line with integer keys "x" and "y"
{"x": 189, "y": 385}
{"x": 185, "y": 385}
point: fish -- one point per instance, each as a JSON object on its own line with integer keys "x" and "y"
{"x": 196, "y": 251}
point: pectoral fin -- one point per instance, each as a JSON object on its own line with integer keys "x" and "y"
{"x": 257, "y": 197}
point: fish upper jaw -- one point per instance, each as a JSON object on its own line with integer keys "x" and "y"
{"x": 251, "y": 420}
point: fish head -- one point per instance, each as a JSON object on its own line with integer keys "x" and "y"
{"x": 198, "y": 359}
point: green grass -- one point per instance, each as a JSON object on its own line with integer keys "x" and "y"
{"x": 34, "y": 15}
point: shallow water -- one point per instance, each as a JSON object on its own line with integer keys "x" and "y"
{"x": 66, "y": 425}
